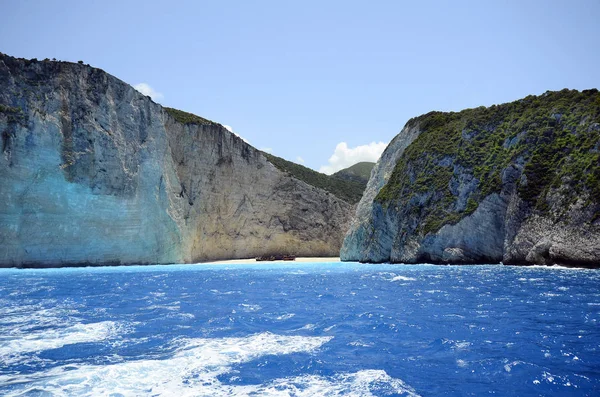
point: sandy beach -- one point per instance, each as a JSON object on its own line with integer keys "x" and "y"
{"x": 300, "y": 259}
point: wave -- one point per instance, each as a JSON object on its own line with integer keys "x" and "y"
{"x": 194, "y": 370}
{"x": 403, "y": 278}
{"x": 12, "y": 349}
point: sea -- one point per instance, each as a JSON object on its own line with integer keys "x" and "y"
{"x": 300, "y": 329}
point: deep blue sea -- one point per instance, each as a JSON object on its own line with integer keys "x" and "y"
{"x": 297, "y": 329}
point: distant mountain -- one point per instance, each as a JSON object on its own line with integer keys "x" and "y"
{"x": 359, "y": 172}
{"x": 346, "y": 189}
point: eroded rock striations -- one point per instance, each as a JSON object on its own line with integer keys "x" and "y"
{"x": 93, "y": 172}
{"x": 517, "y": 183}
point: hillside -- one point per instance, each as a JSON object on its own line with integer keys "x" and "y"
{"x": 359, "y": 172}
{"x": 517, "y": 183}
{"x": 344, "y": 189}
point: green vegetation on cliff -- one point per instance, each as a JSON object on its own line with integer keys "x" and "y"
{"x": 187, "y": 118}
{"x": 9, "y": 109}
{"x": 359, "y": 172}
{"x": 555, "y": 137}
{"x": 12, "y": 114}
{"x": 346, "y": 190}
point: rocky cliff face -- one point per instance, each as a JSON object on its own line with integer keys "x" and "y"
{"x": 93, "y": 172}
{"x": 517, "y": 183}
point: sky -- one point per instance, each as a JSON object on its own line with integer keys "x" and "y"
{"x": 322, "y": 83}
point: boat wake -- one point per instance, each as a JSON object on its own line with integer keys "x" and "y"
{"x": 196, "y": 368}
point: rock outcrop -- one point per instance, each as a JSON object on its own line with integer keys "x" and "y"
{"x": 517, "y": 183}
{"x": 93, "y": 173}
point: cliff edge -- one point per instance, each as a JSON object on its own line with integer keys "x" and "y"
{"x": 94, "y": 173}
{"x": 517, "y": 183}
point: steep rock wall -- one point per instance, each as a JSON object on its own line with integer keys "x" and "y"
{"x": 517, "y": 183}
{"x": 363, "y": 241}
{"x": 93, "y": 172}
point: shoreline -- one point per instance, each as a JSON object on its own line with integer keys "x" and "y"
{"x": 324, "y": 259}
{"x": 304, "y": 259}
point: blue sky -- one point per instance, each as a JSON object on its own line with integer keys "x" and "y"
{"x": 304, "y": 78}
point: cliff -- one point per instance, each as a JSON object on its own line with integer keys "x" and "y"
{"x": 348, "y": 190}
{"x": 92, "y": 172}
{"x": 517, "y": 183}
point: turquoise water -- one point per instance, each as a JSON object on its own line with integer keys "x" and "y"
{"x": 294, "y": 329}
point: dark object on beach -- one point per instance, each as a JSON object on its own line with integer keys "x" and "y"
{"x": 276, "y": 258}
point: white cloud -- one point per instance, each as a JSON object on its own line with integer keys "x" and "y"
{"x": 145, "y": 89}
{"x": 299, "y": 160}
{"x": 228, "y": 128}
{"x": 344, "y": 157}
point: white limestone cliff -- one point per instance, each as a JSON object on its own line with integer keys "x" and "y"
{"x": 93, "y": 172}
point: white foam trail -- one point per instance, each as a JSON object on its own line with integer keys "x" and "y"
{"x": 361, "y": 383}
{"x": 11, "y": 349}
{"x": 193, "y": 369}
{"x": 20, "y": 319}
{"x": 227, "y": 351}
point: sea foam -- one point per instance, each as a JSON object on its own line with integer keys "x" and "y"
{"x": 12, "y": 349}
{"x": 194, "y": 370}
